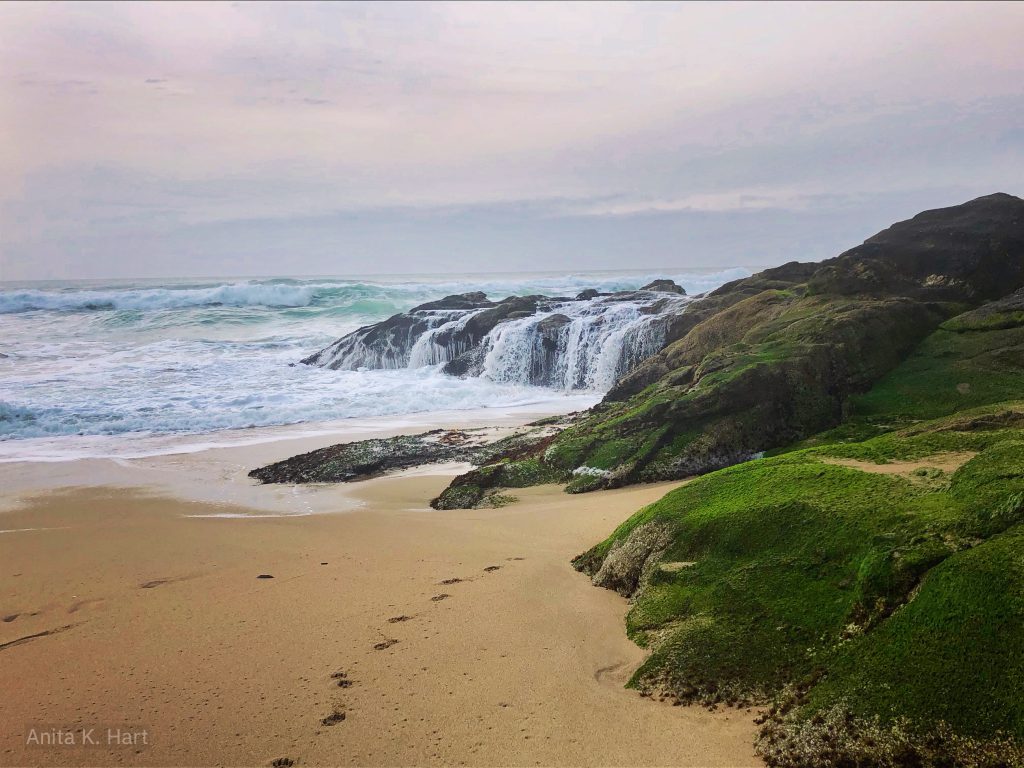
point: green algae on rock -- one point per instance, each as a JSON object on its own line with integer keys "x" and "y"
{"x": 767, "y": 361}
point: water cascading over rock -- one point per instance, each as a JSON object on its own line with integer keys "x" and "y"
{"x": 581, "y": 343}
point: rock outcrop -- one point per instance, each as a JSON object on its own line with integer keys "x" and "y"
{"x": 585, "y": 342}
{"x": 365, "y": 459}
{"x": 771, "y": 359}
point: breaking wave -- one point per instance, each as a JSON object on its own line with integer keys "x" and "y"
{"x": 189, "y": 357}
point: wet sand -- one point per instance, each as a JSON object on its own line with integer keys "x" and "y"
{"x": 140, "y": 616}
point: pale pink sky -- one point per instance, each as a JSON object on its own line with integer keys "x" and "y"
{"x": 231, "y": 138}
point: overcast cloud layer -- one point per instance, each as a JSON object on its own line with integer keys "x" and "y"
{"x": 228, "y": 139}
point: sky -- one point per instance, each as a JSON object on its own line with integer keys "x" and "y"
{"x": 198, "y": 139}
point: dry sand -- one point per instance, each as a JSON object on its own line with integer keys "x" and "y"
{"x": 158, "y": 621}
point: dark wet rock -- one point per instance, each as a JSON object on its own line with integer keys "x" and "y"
{"x": 471, "y": 300}
{"x": 459, "y": 331}
{"x": 480, "y": 488}
{"x": 350, "y": 462}
{"x": 665, "y": 286}
{"x": 467, "y": 364}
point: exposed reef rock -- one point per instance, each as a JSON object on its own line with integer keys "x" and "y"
{"x": 364, "y": 459}
{"x": 630, "y": 561}
{"x": 772, "y": 359}
{"x": 585, "y": 342}
{"x": 667, "y": 286}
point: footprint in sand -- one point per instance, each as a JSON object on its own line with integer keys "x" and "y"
{"x": 334, "y": 718}
{"x": 439, "y": 598}
{"x": 282, "y": 762}
{"x": 515, "y": 558}
{"x": 398, "y": 619}
{"x": 78, "y": 605}
{"x": 453, "y": 580}
{"x": 153, "y": 583}
{"x": 385, "y": 644}
{"x": 491, "y": 568}
{"x": 342, "y": 678}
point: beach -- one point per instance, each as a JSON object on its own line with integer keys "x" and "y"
{"x": 132, "y": 603}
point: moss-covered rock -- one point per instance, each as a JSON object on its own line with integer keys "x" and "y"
{"x": 363, "y": 459}
{"x": 771, "y": 360}
{"x": 482, "y": 486}
{"x": 862, "y": 589}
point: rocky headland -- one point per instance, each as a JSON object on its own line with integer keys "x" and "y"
{"x": 849, "y": 549}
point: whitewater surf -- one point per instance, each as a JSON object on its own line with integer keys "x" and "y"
{"x": 134, "y": 359}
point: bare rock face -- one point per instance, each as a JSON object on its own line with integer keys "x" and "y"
{"x": 969, "y": 252}
{"x": 364, "y": 459}
{"x": 631, "y": 560}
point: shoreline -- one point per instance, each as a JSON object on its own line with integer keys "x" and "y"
{"x": 140, "y": 588}
{"x": 213, "y": 468}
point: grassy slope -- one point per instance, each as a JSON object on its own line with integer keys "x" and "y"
{"x": 893, "y": 596}
{"x": 964, "y": 364}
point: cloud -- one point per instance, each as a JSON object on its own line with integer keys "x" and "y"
{"x": 121, "y": 118}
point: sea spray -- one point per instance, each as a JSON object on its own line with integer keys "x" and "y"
{"x": 152, "y": 358}
{"x": 579, "y": 344}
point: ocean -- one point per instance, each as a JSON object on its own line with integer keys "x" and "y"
{"x": 98, "y": 368}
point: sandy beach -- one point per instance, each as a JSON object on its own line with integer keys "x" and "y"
{"x": 460, "y": 638}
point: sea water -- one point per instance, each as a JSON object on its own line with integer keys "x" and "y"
{"x": 122, "y": 360}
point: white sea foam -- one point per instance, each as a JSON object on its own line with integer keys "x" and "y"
{"x": 83, "y": 364}
{"x": 232, "y": 294}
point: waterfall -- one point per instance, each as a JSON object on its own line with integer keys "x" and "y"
{"x": 595, "y": 344}
{"x": 568, "y": 344}
{"x": 430, "y": 348}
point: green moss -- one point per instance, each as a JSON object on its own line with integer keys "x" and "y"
{"x": 465, "y": 496}
{"x": 955, "y": 653}
{"x": 521, "y": 474}
{"x": 799, "y": 570}
{"x": 949, "y": 372}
